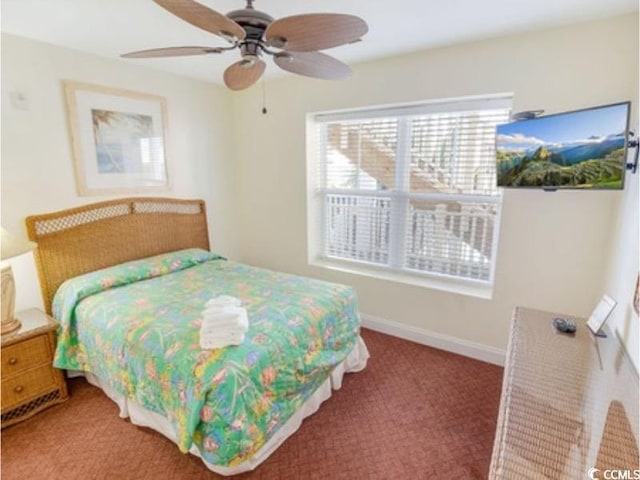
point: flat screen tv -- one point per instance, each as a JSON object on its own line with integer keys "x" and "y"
{"x": 583, "y": 149}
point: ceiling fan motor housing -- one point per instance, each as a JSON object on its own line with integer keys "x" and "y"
{"x": 254, "y": 23}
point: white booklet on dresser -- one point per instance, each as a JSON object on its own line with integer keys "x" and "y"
{"x": 600, "y": 315}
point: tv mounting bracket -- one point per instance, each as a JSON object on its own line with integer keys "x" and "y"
{"x": 633, "y": 166}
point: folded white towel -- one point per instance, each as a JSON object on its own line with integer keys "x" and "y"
{"x": 226, "y": 317}
{"x": 224, "y": 301}
{"x": 227, "y": 336}
{"x": 220, "y": 341}
{"x": 224, "y": 322}
{"x": 224, "y": 329}
{"x": 213, "y": 312}
{"x": 210, "y": 331}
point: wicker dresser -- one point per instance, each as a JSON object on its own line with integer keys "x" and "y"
{"x": 29, "y": 381}
{"x": 569, "y": 404}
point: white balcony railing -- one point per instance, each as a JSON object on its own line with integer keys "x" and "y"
{"x": 358, "y": 228}
{"x": 448, "y": 237}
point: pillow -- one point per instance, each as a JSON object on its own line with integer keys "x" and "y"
{"x": 75, "y": 289}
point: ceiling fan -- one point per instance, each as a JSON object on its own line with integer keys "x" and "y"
{"x": 292, "y": 41}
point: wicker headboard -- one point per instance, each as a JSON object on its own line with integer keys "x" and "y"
{"x": 80, "y": 240}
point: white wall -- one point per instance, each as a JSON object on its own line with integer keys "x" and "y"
{"x": 37, "y": 165}
{"x": 553, "y": 246}
{"x": 623, "y": 267}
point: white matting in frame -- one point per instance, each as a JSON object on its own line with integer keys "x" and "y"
{"x": 600, "y": 314}
{"x": 118, "y": 139}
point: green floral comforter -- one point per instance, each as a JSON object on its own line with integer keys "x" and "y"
{"x": 136, "y": 325}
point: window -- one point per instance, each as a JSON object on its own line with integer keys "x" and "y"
{"x": 408, "y": 189}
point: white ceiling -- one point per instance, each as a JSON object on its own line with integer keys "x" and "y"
{"x": 112, "y": 27}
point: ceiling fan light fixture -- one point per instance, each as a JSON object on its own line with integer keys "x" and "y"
{"x": 248, "y": 61}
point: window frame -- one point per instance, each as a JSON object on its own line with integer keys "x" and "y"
{"x": 399, "y": 197}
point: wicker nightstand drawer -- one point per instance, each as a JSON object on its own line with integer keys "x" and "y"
{"x": 27, "y": 386}
{"x": 24, "y": 355}
{"x": 30, "y": 383}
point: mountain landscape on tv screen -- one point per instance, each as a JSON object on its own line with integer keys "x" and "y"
{"x": 596, "y": 162}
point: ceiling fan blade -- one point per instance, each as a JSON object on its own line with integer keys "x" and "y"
{"x": 313, "y": 64}
{"x": 315, "y": 31}
{"x": 204, "y": 18}
{"x": 244, "y": 73}
{"x": 172, "y": 52}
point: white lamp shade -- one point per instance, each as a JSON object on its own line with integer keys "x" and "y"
{"x": 12, "y": 246}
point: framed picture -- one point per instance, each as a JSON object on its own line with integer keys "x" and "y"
{"x": 600, "y": 315}
{"x": 118, "y": 139}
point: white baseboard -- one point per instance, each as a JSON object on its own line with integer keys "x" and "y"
{"x": 437, "y": 340}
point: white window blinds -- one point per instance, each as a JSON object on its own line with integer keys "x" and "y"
{"x": 411, "y": 188}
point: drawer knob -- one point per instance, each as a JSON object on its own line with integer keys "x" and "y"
{"x": 18, "y": 389}
{"x": 13, "y": 361}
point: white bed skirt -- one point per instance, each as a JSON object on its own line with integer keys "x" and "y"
{"x": 355, "y": 362}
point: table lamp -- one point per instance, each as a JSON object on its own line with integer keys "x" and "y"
{"x": 10, "y": 246}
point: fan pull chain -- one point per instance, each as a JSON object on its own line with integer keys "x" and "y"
{"x": 264, "y": 101}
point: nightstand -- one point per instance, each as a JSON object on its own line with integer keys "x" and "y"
{"x": 30, "y": 383}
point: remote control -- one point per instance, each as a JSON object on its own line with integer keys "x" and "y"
{"x": 564, "y": 325}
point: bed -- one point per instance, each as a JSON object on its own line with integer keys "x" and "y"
{"x": 128, "y": 280}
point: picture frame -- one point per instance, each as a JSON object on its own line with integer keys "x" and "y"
{"x": 118, "y": 139}
{"x": 600, "y": 314}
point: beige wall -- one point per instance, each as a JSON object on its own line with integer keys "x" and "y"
{"x": 37, "y": 166}
{"x": 553, "y": 246}
{"x": 624, "y": 264}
